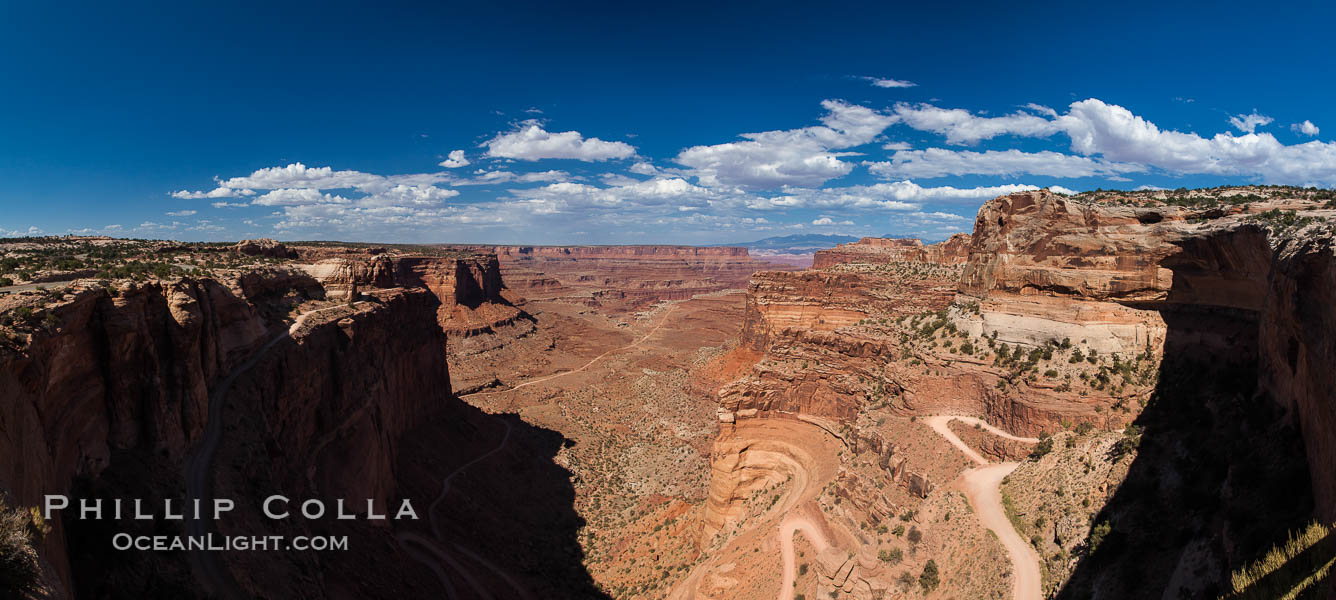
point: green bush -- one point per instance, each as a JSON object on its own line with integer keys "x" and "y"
{"x": 1097, "y": 535}
{"x": 1044, "y": 446}
{"x": 1129, "y": 442}
{"x": 930, "y": 579}
{"x": 893, "y": 556}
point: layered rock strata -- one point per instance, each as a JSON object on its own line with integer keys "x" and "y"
{"x": 621, "y": 276}
{"x": 870, "y": 250}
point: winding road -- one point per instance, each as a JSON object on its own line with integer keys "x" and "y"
{"x": 216, "y": 580}
{"x": 793, "y": 523}
{"x": 982, "y": 486}
{"x": 439, "y": 555}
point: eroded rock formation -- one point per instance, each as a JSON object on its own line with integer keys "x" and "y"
{"x": 128, "y": 368}
{"x": 477, "y": 311}
{"x": 264, "y": 247}
{"x": 1082, "y": 314}
{"x": 870, "y": 250}
{"x": 618, "y": 276}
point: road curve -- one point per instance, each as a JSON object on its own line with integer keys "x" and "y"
{"x": 983, "y": 489}
{"x": 982, "y": 486}
{"x": 434, "y": 546}
{"x": 792, "y": 524}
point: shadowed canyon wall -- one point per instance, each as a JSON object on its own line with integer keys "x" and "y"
{"x": 112, "y": 401}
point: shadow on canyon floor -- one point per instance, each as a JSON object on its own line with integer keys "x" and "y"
{"x": 1218, "y": 478}
{"x": 511, "y": 513}
{"x": 507, "y": 517}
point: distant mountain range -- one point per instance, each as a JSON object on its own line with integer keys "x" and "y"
{"x": 795, "y": 244}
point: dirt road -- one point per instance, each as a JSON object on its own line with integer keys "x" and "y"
{"x": 793, "y": 523}
{"x": 982, "y": 486}
{"x": 638, "y": 342}
{"x": 438, "y": 555}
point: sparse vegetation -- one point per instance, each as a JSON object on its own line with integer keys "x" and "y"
{"x": 1044, "y": 446}
{"x": 929, "y": 579}
{"x": 1301, "y": 564}
{"x": 20, "y": 531}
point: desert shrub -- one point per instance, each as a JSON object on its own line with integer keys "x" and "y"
{"x": 1044, "y": 446}
{"x": 893, "y": 556}
{"x": 19, "y": 531}
{"x": 1129, "y": 442}
{"x": 1097, "y": 535}
{"x": 930, "y": 579}
{"x": 25, "y": 314}
{"x": 915, "y": 536}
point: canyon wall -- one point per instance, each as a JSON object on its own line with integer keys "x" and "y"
{"x": 128, "y": 365}
{"x": 621, "y": 276}
{"x": 110, "y": 399}
{"x": 1204, "y": 318}
{"x": 1297, "y": 350}
{"x": 128, "y": 368}
{"x": 870, "y": 250}
{"x": 478, "y": 313}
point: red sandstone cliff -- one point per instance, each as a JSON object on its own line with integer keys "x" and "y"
{"x": 117, "y": 395}
{"x": 953, "y": 250}
{"x": 1297, "y": 348}
{"x": 128, "y": 368}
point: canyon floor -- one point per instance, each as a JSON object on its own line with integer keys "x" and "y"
{"x": 631, "y": 391}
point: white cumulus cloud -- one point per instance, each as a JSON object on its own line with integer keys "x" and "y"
{"x": 1306, "y": 128}
{"x": 1250, "y": 122}
{"x": 801, "y": 157}
{"x": 889, "y": 83}
{"x": 940, "y": 162}
{"x": 963, "y": 127}
{"x": 529, "y": 141}
{"x": 455, "y": 159}
{"x": 1115, "y": 134}
{"x": 221, "y": 192}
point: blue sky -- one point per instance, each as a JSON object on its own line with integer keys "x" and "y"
{"x": 611, "y": 123}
